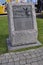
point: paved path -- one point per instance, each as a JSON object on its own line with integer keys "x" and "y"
{"x": 29, "y": 57}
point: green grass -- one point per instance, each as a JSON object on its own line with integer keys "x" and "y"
{"x": 40, "y": 30}
{"x": 4, "y": 33}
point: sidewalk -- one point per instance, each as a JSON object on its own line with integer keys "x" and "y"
{"x": 29, "y": 57}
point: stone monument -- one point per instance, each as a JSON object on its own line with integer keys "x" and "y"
{"x": 22, "y": 25}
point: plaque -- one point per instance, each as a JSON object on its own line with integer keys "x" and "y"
{"x": 23, "y": 19}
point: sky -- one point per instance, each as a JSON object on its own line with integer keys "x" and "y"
{"x": 3, "y": 1}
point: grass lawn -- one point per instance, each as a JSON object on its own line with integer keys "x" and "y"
{"x": 4, "y": 33}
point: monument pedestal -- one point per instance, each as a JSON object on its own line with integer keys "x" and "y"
{"x": 17, "y": 47}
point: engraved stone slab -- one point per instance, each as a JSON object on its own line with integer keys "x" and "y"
{"x": 22, "y": 24}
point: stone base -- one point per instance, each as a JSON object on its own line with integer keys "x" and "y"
{"x": 16, "y": 47}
